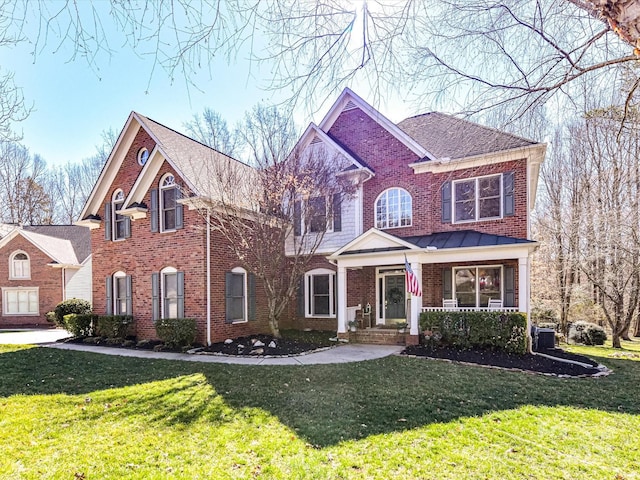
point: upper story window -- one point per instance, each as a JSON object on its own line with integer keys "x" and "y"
{"x": 19, "y": 266}
{"x": 477, "y": 198}
{"x": 143, "y": 156}
{"x": 119, "y": 227}
{"x": 168, "y": 189}
{"x": 393, "y": 209}
{"x": 318, "y": 214}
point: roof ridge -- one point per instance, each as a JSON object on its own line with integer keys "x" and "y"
{"x": 190, "y": 138}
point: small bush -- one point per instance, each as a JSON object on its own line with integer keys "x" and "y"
{"x": 51, "y": 317}
{"x": 79, "y": 325}
{"x": 484, "y": 330}
{"x": 74, "y": 305}
{"x": 587, "y": 333}
{"x": 114, "y": 326}
{"x": 177, "y": 332}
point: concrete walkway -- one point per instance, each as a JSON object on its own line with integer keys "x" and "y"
{"x": 343, "y": 353}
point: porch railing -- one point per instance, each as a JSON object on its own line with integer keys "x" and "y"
{"x": 470, "y": 309}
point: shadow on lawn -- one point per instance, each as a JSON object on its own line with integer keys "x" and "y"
{"x": 323, "y": 404}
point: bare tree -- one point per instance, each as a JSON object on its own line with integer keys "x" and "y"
{"x": 258, "y": 208}
{"x": 609, "y": 253}
{"x": 212, "y": 130}
{"x": 22, "y": 178}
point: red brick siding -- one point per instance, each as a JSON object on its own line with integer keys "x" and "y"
{"x": 47, "y": 279}
{"x": 389, "y": 159}
{"x": 146, "y": 252}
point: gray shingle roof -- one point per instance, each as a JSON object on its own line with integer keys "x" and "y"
{"x": 78, "y": 237}
{"x": 446, "y": 136}
{"x": 198, "y": 163}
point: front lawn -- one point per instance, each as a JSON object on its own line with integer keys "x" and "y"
{"x": 66, "y": 414}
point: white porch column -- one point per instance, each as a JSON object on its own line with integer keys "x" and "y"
{"x": 416, "y": 302}
{"x": 342, "y": 299}
{"x": 523, "y": 284}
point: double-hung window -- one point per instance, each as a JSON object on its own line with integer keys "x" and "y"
{"x": 168, "y": 196}
{"x": 119, "y": 228}
{"x": 320, "y": 289}
{"x": 477, "y": 198}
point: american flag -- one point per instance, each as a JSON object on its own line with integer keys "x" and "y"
{"x": 413, "y": 285}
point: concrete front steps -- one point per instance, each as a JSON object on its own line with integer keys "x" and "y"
{"x": 378, "y": 336}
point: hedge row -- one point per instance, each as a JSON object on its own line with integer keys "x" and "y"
{"x": 484, "y": 330}
{"x": 87, "y": 325}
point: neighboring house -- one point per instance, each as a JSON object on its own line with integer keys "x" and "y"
{"x": 451, "y": 197}
{"x": 154, "y": 256}
{"x": 40, "y": 266}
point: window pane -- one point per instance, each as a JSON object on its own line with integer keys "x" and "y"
{"x": 466, "y": 287}
{"x": 320, "y": 294}
{"x": 489, "y": 207}
{"x": 120, "y": 295}
{"x": 489, "y": 186}
{"x": 170, "y": 285}
{"x": 321, "y": 284}
{"x": 237, "y": 309}
{"x": 237, "y": 285}
{"x": 171, "y": 308}
{"x": 20, "y": 256}
{"x": 489, "y": 285}
{"x": 21, "y": 302}
{"x": 317, "y": 214}
{"x": 321, "y": 304}
{"x": 169, "y": 209}
{"x": 465, "y": 207}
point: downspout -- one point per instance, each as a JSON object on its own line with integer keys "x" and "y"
{"x": 64, "y": 285}
{"x": 208, "y": 277}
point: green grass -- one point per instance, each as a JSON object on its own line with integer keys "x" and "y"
{"x": 64, "y": 413}
{"x": 630, "y": 350}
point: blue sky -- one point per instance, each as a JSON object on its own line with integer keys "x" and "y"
{"x": 73, "y": 105}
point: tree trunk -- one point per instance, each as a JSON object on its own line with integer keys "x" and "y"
{"x": 616, "y": 340}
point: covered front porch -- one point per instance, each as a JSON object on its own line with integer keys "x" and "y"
{"x": 490, "y": 274}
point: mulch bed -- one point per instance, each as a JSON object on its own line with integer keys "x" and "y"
{"x": 534, "y": 363}
{"x": 261, "y": 345}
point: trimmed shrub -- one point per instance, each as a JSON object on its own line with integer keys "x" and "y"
{"x": 483, "y": 330}
{"x": 74, "y": 305}
{"x": 51, "y": 317}
{"x": 587, "y": 333}
{"x": 114, "y": 326}
{"x": 177, "y": 332}
{"x": 79, "y": 325}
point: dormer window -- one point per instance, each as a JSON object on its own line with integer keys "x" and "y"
{"x": 394, "y": 209}
{"x": 19, "y": 266}
{"x": 168, "y": 195}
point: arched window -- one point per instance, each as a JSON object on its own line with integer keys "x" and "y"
{"x": 168, "y": 195}
{"x": 393, "y": 209}
{"x": 169, "y": 292}
{"x": 19, "y": 265}
{"x": 320, "y": 293}
{"x": 119, "y": 227}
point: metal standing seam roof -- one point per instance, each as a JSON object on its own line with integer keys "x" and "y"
{"x": 448, "y": 240}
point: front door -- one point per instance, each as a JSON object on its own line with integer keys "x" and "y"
{"x": 394, "y": 296}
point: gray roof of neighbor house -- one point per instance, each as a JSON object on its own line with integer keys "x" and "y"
{"x": 78, "y": 237}
{"x": 446, "y": 136}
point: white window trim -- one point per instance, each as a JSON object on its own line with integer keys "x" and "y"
{"x": 477, "y": 199}
{"x": 161, "y": 188}
{"x": 306, "y": 226}
{"x": 140, "y": 153}
{"x": 245, "y": 295}
{"x": 476, "y": 267}
{"x": 12, "y": 275}
{"x": 375, "y": 208}
{"x": 308, "y": 298}
{"x": 114, "y": 199}
{"x": 114, "y": 291}
{"x": 5, "y": 302}
{"x": 163, "y": 272}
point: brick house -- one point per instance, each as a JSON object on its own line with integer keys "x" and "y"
{"x": 451, "y": 197}
{"x": 40, "y": 266}
{"x": 155, "y": 257}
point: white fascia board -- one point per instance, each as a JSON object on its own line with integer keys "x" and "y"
{"x": 9, "y": 236}
{"x": 373, "y": 232}
{"x": 111, "y": 167}
{"x": 346, "y": 95}
{"x": 145, "y": 178}
{"x": 431, "y": 255}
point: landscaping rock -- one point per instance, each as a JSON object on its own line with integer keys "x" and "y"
{"x": 257, "y": 351}
{"x": 228, "y": 341}
{"x": 272, "y": 344}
